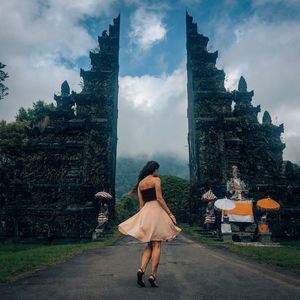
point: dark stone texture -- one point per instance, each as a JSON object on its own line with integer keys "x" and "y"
{"x": 51, "y": 190}
{"x": 221, "y": 135}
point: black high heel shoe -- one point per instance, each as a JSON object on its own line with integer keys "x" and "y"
{"x": 152, "y": 280}
{"x": 139, "y": 275}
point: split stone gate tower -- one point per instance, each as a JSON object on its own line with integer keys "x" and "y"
{"x": 48, "y": 189}
{"x": 220, "y": 136}
{"x": 68, "y": 159}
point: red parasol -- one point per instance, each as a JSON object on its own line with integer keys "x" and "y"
{"x": 208, "y": 196}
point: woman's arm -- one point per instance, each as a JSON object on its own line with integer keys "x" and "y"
{"x": 159, "y": 196}
{"x": 141, "y": 202}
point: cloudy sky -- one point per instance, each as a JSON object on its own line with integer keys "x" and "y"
{"x": 45, "y": 42}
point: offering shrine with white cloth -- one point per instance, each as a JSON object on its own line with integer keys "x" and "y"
{"x": 240, "y": 217}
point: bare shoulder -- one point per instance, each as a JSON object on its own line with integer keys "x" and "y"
{"x": 157, "y": 179}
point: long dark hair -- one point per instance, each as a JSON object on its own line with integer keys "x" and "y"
{"x": 148, "y": 169}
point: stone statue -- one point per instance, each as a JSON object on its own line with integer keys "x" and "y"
{"x": 104, "y": 34}
{"x": 102, "y": 217}
{"x": 64, "y": 101}
{"x": 236, "y": 186}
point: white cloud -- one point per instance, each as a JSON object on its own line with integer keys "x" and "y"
{"x": 28, "y": 84}
{"x": 146, "y": 28}
{"x": 152, "y": 114}
{"x": 267, "y": 56}
{"x": 258, "y": 3}
{"x": 152, "y": 110}
{"x": 151, "y": 94}
{"x": 37, "y": 35}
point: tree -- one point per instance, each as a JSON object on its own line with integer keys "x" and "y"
{"x": 12, "y": 137}
{"x": 3, "y": 76}
{"x": 125, "y": 208}
{"x": 36, "y": 114}
{"x": 176, "y": 192}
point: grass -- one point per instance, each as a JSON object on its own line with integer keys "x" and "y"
{"x": 17, "y": 260}
{"x": 287, "y": 255}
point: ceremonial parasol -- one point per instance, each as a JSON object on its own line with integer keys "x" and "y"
{"x": 224, "y": 204}
{"x": 103, "y": 195}
{"x": 208, "y": 196}
{"x": 268, "y": 204}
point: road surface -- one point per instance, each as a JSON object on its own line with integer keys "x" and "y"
{"x": 187, "y": 270}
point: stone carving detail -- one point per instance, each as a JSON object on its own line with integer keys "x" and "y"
{"x": 224, "y": 129}
{"x": 74, "y": 156}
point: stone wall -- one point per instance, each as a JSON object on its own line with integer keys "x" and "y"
{"x": 51, "y": 189}
{"x": 224, "y": 130}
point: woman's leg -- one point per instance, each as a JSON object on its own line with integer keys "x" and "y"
{"x": 155, "y": 256}
{"x": 146, "y": 256}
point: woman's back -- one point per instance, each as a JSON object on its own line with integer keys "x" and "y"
{"x": 147, "y": 188}
{"x": 147, "y": 183}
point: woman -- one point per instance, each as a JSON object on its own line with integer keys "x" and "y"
{"x": 153, "y": 223}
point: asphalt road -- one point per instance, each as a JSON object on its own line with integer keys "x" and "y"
{"x": 187, "y": 270}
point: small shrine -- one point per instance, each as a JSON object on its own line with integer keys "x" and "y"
{"x": 238, "y": 217}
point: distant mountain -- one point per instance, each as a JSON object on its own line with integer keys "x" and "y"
{"x": 128, "y": 169}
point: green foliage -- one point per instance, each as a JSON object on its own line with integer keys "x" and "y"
{"x": 12, "y": 136}
{"x": 3, "y": 76}
{"x": 18, "y": 259}
{"x": 287, "y": 255}
{"x": 125, "y": 208}
{"x": 37, "y": 114}
{"x": 176, "y": 192}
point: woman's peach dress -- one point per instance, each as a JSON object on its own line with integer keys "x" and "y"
{"x": 151, "y": 223}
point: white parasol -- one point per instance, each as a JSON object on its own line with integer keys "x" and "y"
{"x": 224, "y": 204}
